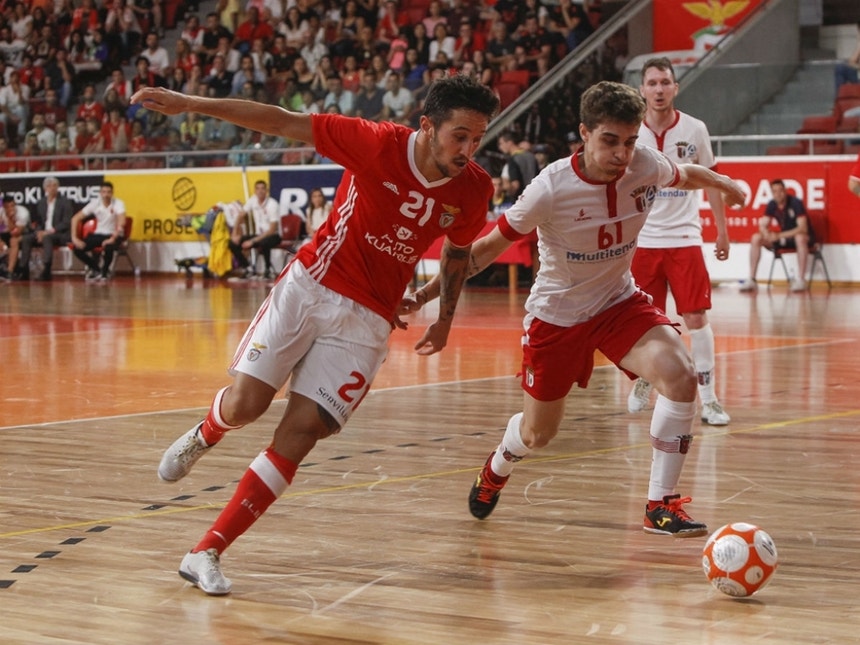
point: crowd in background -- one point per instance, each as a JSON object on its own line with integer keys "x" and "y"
{"x": 69, "y": 67}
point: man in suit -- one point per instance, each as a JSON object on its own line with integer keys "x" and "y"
{"x": 52, "y": 227}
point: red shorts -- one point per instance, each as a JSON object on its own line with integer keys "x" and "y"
{"x": 554, "y": 358}
{"x": 681, "y": 269}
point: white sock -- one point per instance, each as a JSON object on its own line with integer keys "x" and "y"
{"x": 671, "y": 435}
{"x": 702, "y": 345}
{"x": 511, "y": 450}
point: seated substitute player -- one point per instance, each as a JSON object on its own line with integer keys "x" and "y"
{"x": 257, "y": 228}
{"x": 109, "y": 212}
{"x": 784, "y": 225}
{"x": 325, "y": 324}
{"x": 587, "y": 210}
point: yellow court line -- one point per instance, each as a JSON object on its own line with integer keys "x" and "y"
{"x": 397, "y": 480}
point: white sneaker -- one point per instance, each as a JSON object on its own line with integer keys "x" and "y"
{"x": 640, "y": 396}
{"x": 714, "y": 415}
{"x": 798, "y": 285}
{"x": 182, "y": 455}
{"x": 203, "y": 569}
{"x": 748, "y": 286}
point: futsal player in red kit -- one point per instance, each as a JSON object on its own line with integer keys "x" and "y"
{"x": 326, "y": 322}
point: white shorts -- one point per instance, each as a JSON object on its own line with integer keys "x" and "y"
{"x": 330, "y": 345}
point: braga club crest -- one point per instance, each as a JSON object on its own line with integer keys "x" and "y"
{"x": 644, "y": 196}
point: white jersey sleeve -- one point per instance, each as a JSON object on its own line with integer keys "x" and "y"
{"x": 674, "y": 221}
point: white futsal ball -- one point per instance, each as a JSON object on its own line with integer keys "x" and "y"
{"x": 739, "y": 559}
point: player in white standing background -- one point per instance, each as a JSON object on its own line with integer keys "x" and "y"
{"x": 326, "y": 322}
{"x": 587, "y": 210}
{"x": 670, "y": 243}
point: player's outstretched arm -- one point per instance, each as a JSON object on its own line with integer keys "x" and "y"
{"x": 454, "y": 263}
{"x": 694, "y": 177}
{"x": 484, "y": 251}
{"x": 260, "y": 117}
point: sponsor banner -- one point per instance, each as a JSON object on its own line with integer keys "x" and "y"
{"x": 821, "y": 185}
{"x": 696, "y": 24}
{"x": 162, "y": 201}
{"x": 292, "y": 185}
{"x": 27, "y": 189}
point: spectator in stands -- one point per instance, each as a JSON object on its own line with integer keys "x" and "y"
{"x": 468, "y": 41}
{"x": 784, "y": 225}
{"x": 45, "y": 136}
{"x": 67, "y": 158}
{"x": 397, "y": 101}
{"x": 52, "y": 111}
{"x": 190, "y": 130}
{"x": 14, "y": 105}
{"x": 178, "y": 81}
{"x": 149, "y": 14}
{"x": 159, "y": 60}
{"x": 313, "y": 51}
{"x": 240, "y": 152}
{"x": 420, "y": 42}
{"x": 60, "y": 74}
{"x": 536, "y": 45}
{"x": 116, "y": 132}
{"x": 8, "y": 161}
{"x": 368, "y": 102}
{"x": 483, "y": 70}
{"x": 184, "y": 57}
{"x": 91, "y": 141}
{"x": 388, "y": 28}
{"x": 31, "y": 152}
{"x": 246, "y": 74}
{"x": 500, "y": 47}
{"x": 232, "y": 56}
{"x": 415, "y": 74}
{"x": 85, "y": 17}
{"x": 12, "y": 48}
{"x": 216, "y": 135}
{"x": 213, "y": 32}
{"x": 294, "y": 28}
{"x": 263, "y": 59}
{"x": 120, "y": 84}
{"x": 324, "y": 69}
{"x": 573, "y": 22}
{"x": 174, "y": 149}
{"x": 302, "y": 74}
{"x": 442, "y": 42}
{"x": 250, "y": 29}
{"x": 220, "y": 79}
{"x": 337, "y": 95}
{"x": 271, "y": 11}
{"x": 144, "y": 76}
{"x": 112, "y": 100}
{"x": 434, "y": 17}
{"x": 21, "y": 21}
{"x": 192, "y": 33}
{"x": 32, "y": 76}
{"x": 380, "y": 66}
{"x": 122, "y": 29}
{"x": 846, "y": 72}
{"x": 350, "y": 74}
{"x": 267, "y": 154}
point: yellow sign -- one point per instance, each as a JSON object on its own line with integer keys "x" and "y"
{"x": 162, "y": 203}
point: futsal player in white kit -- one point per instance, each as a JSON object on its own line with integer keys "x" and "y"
{"x": 669, "y": 254}
{"x": 587, "y": 210}
{"x": 326, "y": 322}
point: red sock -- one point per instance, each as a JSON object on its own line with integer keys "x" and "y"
{"x": 214, "y": 427}
{"x": 265, "y": 480}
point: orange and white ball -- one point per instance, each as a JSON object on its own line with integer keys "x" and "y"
{"x": 739, "y": 559}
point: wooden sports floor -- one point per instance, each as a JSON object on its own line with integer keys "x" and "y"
{"x": 373, "y": 543}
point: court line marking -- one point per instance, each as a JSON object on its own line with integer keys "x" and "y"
{"x": 432, "y": 475}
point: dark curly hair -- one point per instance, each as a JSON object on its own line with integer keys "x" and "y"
{"x": 459, "y": 92}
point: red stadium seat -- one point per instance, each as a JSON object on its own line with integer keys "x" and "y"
{"x": 507, "y": 92}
